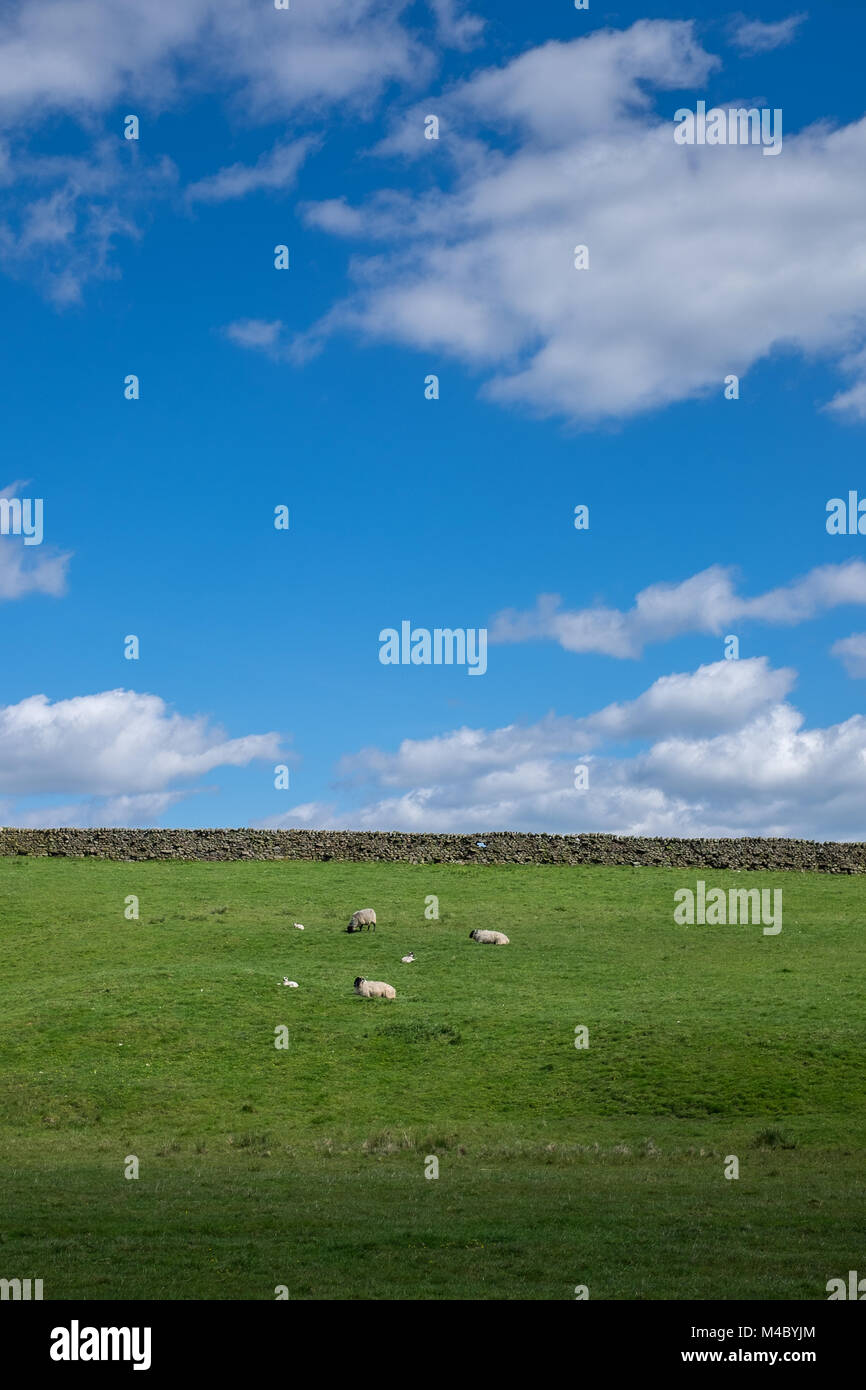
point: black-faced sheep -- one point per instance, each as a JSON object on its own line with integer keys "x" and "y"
{"x": 490, "y": 938}
{"x": 365, "y": 917}
{"x": 374, "y": 989}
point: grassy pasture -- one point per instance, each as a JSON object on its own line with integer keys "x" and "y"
{"x": 304, "y": 1167}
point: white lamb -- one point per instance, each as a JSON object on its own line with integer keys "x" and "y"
{"x": 490, "y": 938}
{"x": 407, "y": 960}
{"x": 374, "y": 989}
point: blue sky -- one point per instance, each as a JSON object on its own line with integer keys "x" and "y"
{"x": 305, "y": 387}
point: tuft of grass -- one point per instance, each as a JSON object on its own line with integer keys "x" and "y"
{"x": 773, "y": 1138}
{"x": 387, "y": 1142}
{"x": 419, "y": 1031}
{"x": 249, "y": 1141}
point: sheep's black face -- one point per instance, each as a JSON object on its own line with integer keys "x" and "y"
{"x": 471, "y": 935}
{"x": 359, "y": 981}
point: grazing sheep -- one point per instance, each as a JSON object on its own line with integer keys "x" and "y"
{"x": 292, "y": 984}
{"x": 374, "y": 989}
{"x": 407, "y": 960}
{"x": 365, "y": 917}
{"x": 490, "y": 938}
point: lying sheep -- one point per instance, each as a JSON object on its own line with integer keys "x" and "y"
{"x": 365, "y": 917}
{"x": 374, "y": 989}
{"x": 490, "y": 938}
{"x": 407, "y": 960}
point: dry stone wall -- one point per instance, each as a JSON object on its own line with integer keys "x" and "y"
{"x": 394, "y": 846}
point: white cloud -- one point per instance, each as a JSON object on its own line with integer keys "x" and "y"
{"x": 335, "y": 215}
{"x": 276, "y": 169}
{"x": 727, "y": 756}
{"x": 30, "y": 569}
{"x": 118, "y": 744}
{"x": 63, "y": 214}
{"x": 261, "y": 334}
{"x": 82, "y": 61}
{"x": 456, "y": 27}
{"x": 706, "y": 602}
{"x": 754, "y": 36}
{"x": 308, "y": 813}
{"x": 852, "y": 652}
{"x": 560, "y": 90}
{"x": 703, "y": 260}
{"x": 138, "y": 811}
{"x": 773, "y": 759}
{"x": 719, "y": 696}
{"x": 851, "y": 404}
{"x": 723, "y": 695}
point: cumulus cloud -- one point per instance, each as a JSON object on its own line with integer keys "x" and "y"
{"x": 724, "y": 754}
{"x": 706, "y": 602}
{"x": 772, "y": 753}
{"x": 701, "y": 259}
{"x": 718, "y": 696}
{"x": 27, "y": 569}
{"x": 754, "y": 36}
{"x": 118, "y": 743}
{"x": 852, "y": 652}
{"x": 722, "y": 695}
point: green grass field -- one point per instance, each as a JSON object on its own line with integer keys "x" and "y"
{"x": 305, "y": 1167}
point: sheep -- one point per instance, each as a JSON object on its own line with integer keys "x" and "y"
{"x": 490, "y": 938}
{"x": 374, "y": 989}
{"x": 365, "y": 917}
{"x": 407, "y": 960}
{"x": 299, "y": 926}
{"x": 292, "y": 984}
